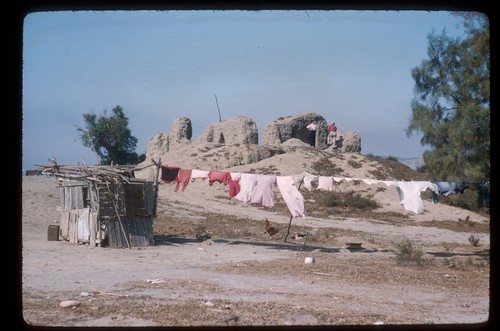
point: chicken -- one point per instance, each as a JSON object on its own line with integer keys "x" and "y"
{"x": 270, "y": 229}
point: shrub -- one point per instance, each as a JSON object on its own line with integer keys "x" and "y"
{"x": 325, "y": 167}
{"x": 354, "y": 164}
{"x": 474, "y": 241}
{"x": 349, "y": 200}
{"x": 466, "y": 200}
{"x": 407, "y": 253}
{"x": 392, "y": 158}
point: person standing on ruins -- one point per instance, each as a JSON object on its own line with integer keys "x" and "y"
{"x": 312, "y": 133}
{"x": 332, "y": 134}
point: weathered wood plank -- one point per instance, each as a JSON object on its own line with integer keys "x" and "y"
{"x": 118, "y": 233}
{"x": 150, "y": 233}
{"x": 64, "y": 223}
{"x": 139, "y": 232}
{"x": 92, "y": 229}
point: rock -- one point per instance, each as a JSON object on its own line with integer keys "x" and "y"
{"x": 283, "y": 129}
{"x": 308, "y": 260}
{"x": 69, "y": 303}
{"x": 348, "y": 142}
{"x": 179, "y": 134}
{"x": 181, "y": 130}
{"x": 234, "y": 142}
{"x": 295, "y": 142}
{"x": 238, "y": 130}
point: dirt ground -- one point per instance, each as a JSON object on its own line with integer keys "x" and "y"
{"x": 213, "y": 264}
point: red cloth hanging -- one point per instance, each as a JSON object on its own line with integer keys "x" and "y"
{"x": 182, "y": 179}
{"x": 222, "y": 177}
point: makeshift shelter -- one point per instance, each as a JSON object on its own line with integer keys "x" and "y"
{"x": 106, "y": 205}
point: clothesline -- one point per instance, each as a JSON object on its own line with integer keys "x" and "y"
{"x": 243, "y": 187}
{"x": 258, "y": 189}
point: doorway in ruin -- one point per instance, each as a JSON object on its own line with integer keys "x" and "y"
{"x": 222, "y": 140}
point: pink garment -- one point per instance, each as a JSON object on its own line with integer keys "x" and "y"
{"x": 292, "y": 196}
{"x": 199, "y": 174}
{"x": 247, "y": 183}
{"x": 182, "y": 179}
{"x": 263, "y": 193}
{"x": 222, "y": 177}
{"x": 234, "y": 187}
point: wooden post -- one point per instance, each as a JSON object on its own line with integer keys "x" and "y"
{"x": 155, "y": 183}
{"x": 288, "y": 230}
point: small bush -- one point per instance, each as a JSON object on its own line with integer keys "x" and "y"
{"x": 325, "y": 167}
{"x": 474, "y": 241}
{"x": 407, "y": 253}
{"x": 460, "y": 263}
{"x": 354, "y": 164}
{"x": 466, "y": 200}
{"x": 448, "y": 247}
{"x": 349, "y": 200}
{"x": 421, "y": 169}
{"x": 201, "y": 232}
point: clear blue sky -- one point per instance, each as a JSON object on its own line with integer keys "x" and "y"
{"x": 352, "y": 67}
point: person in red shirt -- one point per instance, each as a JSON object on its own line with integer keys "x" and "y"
{"x": 332, "y": 134}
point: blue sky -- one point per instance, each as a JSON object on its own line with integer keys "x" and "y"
{"x": 352, "y": 67}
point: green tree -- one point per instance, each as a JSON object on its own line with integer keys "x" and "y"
{"x": 110, "y": 138}
{"x": 451, "y": 107}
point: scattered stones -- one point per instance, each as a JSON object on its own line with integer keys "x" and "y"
{"x": 309, "y": 260}
{"x": 154, "y": 281}
{"x": 69, "y": 303}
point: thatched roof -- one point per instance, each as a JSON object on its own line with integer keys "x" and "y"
{"x": 92, "y": 173}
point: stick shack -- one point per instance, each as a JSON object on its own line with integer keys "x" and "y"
{"x": 106, "y": 206}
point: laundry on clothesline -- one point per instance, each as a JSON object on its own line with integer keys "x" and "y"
{"x": 169, "y": 174}
{"x": 258, "y": 189}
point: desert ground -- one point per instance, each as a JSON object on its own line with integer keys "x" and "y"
{"x": 213, "y": 264}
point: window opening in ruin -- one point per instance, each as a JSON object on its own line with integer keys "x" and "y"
{"x": 221, "y": 139}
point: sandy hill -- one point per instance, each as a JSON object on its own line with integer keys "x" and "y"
{"x": 294, "y": 160}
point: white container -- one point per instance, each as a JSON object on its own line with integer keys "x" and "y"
{"x": 308, "y": 260}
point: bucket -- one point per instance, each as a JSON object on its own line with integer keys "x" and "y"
{"x": 53, "y": 233}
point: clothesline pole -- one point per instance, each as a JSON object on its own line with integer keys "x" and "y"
{"x": 288, "y": 230}
{"x": 156, "y": 177}
{"x": 291, "y": 216}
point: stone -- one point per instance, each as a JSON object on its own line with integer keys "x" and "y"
{"x": 179, "y": 134}
{"x": 238, "y": 130}
{"x": 347, "y": 142}
{"x": 69, "y": 303}
{"x": 234, "y": 142}
{"x": 283, "y": 129}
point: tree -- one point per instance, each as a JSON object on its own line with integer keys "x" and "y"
{"x": 451, "y": 107}
{"x": 110, "y": 138}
